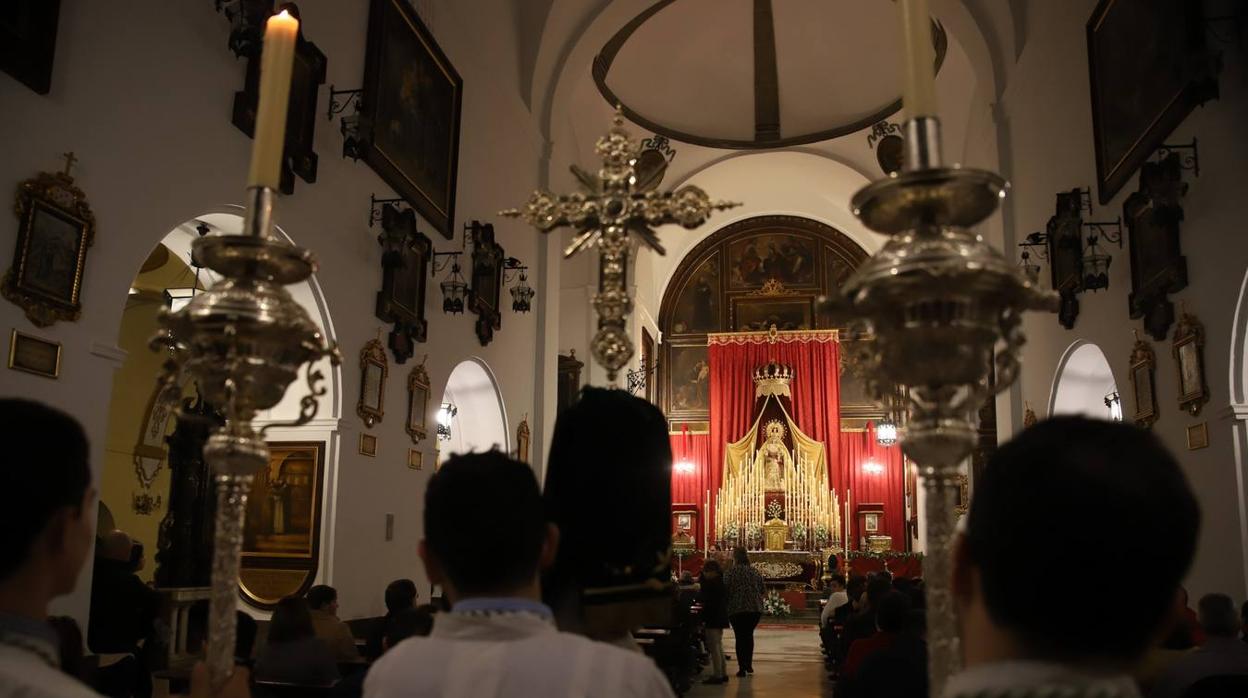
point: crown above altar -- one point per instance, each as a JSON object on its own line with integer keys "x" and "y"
{"x": 772, "y": 379}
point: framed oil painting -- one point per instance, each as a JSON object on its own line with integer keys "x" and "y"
{"x": 689, "y": 379}
{"x": 368, "y": 445}
{"x": 697, "y": 307}
{"x": 404, "y": 268}
{"x": 281, "y": 534}
{"x": 1198, "y": 436}
{"x": 759, "y": 314}
{"x": 1149, "y": 68}
{"x": 28, "y": 41}
{"x": 373, "y": 370}
{"x": 784, "y": 257}
{"x": 55, "y": 229}
{"x": 1189, "y": 357}
{"x": 409, "y": 114}
{"x": 1143, "y": 382}
{"x": 415, "y": 459}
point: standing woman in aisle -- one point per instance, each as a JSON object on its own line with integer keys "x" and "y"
{"x": 745, "y": 607}
{"x": 713, "y": 596}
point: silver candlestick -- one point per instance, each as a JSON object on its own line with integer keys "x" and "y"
{"x": 942, "y": 307}
{"x": 243, "y": 341}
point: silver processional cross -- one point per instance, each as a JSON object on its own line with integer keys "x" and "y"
{"x": 613, "y": 204}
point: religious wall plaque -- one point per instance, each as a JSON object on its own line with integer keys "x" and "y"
{"x": 1143, "y": 382}
{"x": 1158, "y": 267}
{"x": 1189, "y": 358}
{"x": 55, "y": 229}
{"x": 373, "y": 370}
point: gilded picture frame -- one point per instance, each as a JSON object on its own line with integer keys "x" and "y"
{"x": 523, "y": 437}
{"x": 415, "y": 459}
{"x": 418, "y": 391}
{"x": 368, "y": 445}
{"x": 1143, "y": 383}
{"x": 1189, "y": 361}
{"x": 281, "y": 533}
{"x": 55, "y": 229}
{"x": 1198, "y": 436}
{"x": 34, "y": 355}
{"x": 374, "y": 367}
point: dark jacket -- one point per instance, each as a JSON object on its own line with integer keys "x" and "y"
{"x": 714, "y": 600}
{"x": 123, "y": 608}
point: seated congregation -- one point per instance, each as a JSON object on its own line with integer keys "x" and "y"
{"x": 552, "y": 613}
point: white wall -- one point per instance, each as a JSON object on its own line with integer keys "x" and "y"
{"x": 143, "y": 97}
{"x": 1046, "y": 107}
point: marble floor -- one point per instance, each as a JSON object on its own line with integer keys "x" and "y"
{"x": 787, "y": 662}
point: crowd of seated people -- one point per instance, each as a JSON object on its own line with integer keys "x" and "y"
{"x": 498, "y": 637}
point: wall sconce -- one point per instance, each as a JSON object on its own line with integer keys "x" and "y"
{"x": 1030, "y": 269}
{"x": 886, "y": 432}
{"x": 446, "y": 413}
{"x": 454, "y": 290}
{"x": 1114, "y": 403}
{"x": 639, "y": 377}
{"x": 522, "y": 293}
{"x": 393, "y": 238}
{"x": 349, "y": 124}
{"x": 247, "y": 18}
{"x": 684, "y": 467}
{"x": 1096, "y": 261}
{"x": 873, "y": 467}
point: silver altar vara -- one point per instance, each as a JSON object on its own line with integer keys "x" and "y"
{"x": 243, "y": 342}
{"x": 942, "y": 307}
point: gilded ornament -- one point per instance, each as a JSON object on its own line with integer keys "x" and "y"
{"x": 611, "y": 208}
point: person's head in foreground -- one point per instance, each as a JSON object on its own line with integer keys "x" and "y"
{"x": 46, "y": 501}
{"x": 1030, "y": 519}
{"x": 506, "y": 507}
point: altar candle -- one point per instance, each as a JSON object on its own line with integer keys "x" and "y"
{"x": 918, "y": 95}
{"x": 276, "y": 64}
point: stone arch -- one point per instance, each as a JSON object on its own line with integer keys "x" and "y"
{"x": 479, "y": 422}
{"x": 1083, "y": 382}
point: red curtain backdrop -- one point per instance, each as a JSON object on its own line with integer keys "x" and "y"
{"x": 887, "y": 488}
{"x": 690, "y": 488}
{"x": 816, "y": 392}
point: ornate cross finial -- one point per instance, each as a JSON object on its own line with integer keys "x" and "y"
{"x": 609, "y": 209}
{"x": 70, "y": 159}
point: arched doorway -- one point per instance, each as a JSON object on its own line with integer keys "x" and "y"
{"x": 471, "y": 416}
{"x": 749, "y": 275}
{"x": 1084, "y": 385}
{"x": 135, "y": 479}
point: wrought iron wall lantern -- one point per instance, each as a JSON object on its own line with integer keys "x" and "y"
{"x": 639, "y": 377}
{"x": 446, "y": 413}
{"x": 1096, "y": 261}
{"x": 247, "y": 18}
{"x": 1114, "y": 402}
{"x": 177, "y": 298}
{"x": 521, "y": 293}
{"x": 454, "y": 286}
{"x": 349, "y": 124}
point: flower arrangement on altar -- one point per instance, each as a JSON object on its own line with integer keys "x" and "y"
{"x": 773, "y": 605}
{"x": 799, "y": 533}
{"x": 821, "y": 536}
{"x": 753, "y": 535}
{"x": 774, "y": 510}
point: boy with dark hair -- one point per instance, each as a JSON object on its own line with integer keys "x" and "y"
{"x": 1019, "y": 636}
{"x": 46, "y": 510}
{"x": 498, "y": 638}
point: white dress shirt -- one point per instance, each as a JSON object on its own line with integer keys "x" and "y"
{"x": 508, "y": 647}
{"x": 835, "y": 600}
{"x": 30, "y": 662}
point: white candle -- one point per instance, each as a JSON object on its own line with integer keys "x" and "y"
{"x": 276, "y": 65}
{"x": 918, "y": 95}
